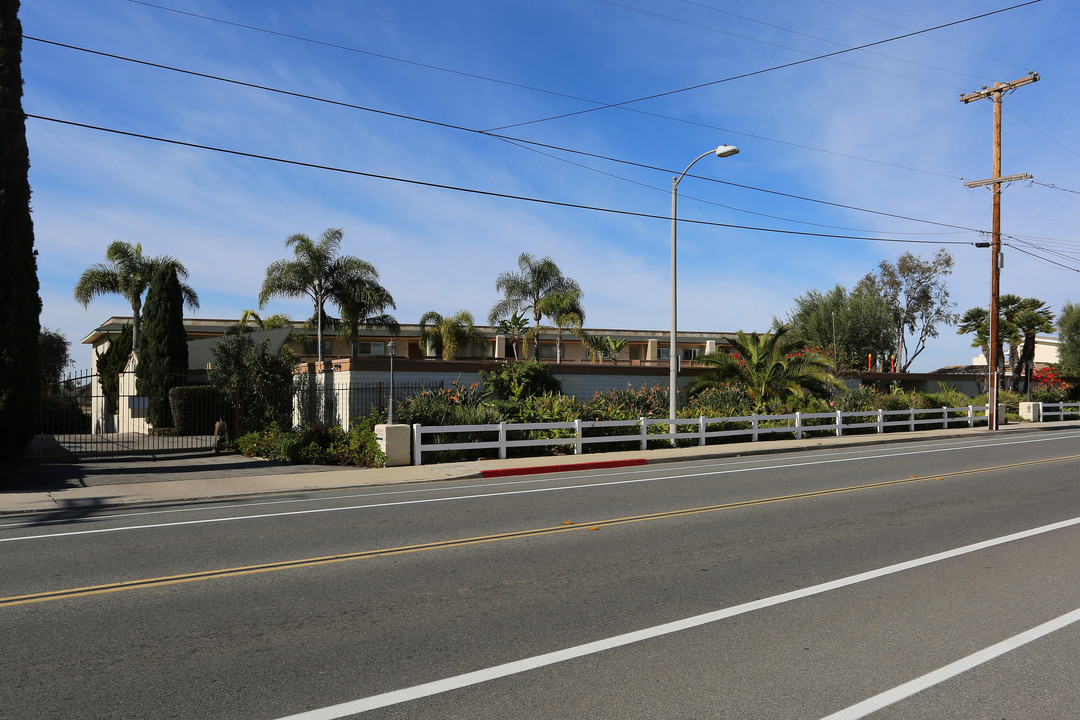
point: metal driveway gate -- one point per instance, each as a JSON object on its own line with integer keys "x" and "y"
{"x": 79, "y": 419}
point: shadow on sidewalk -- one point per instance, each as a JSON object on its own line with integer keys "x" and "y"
{"x": 47, "y": 477}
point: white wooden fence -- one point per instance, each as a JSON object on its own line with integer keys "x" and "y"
{"x": 573, "y": 433}
{"x": 1060, "y": 410}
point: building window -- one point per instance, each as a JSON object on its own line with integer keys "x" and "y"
{"x": 370, "y": 348}
{"x": 690, "y": 353}
{"x": 663, "y": 353}
{"x": 310, "y": 347}
{"x": 546, "y": 351}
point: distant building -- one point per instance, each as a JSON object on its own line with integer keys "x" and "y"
{"x": 643, "y": 347}
{"x": 1046, "y": 352}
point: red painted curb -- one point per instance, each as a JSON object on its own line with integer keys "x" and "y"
{"x": 597, "y": 465}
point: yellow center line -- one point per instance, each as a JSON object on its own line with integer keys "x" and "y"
{"x": 460, "y": 542}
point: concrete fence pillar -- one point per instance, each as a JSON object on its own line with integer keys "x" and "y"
{"x": 1031, "y": 411}
{"x": 394, "y": 441}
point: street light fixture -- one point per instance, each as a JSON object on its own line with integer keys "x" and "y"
{"x": 673, "y": 360}
{"x": 390, "y": 348}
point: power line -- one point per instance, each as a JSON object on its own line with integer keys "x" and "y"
{"x": 795, "y": 32}
{"x": 1045, "y": 136}
{"x": 707, "y": 202}
{"x": 472, "y": 191}
{"x": 347, "y": 48}
{"x": 507, "y": 138}
{"x": 937, "y": 40}
{"x": 1045, "y": 260}
{"x": 1056, "y": 253}
{"x": 474, "y": 76}
{"x": 1055, "y": 187}
{"x": 764, "y": 70}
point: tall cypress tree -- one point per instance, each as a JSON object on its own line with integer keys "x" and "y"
{"x": 163, "y": 354}
{"x": 109, "y": 366}
{"x": 20, "y": 305}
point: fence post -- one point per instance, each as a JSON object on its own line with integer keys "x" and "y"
{"x": 911, "y": 420}
{"x": 798, "y": 426}
{"x": 701, "y": 430}
{"x": 577, "y": 436}
{"x": 839, "y": 423}
{"x": 945, "y": 418}
{"x": 880, "y": 421}
{"x": 644, "y": 434}
{"x": 754, "y": 425}
{"x": 502, "y": 441}
{"x": 417, "y": 436}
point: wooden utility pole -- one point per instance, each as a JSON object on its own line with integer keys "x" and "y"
{"x": 996, "y": 94}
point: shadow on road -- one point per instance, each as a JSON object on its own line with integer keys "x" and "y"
{"x": 71, "y": 510}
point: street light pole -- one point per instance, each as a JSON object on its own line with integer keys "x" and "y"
{"x": 390, "y": 347}
{"x": 673, "y": 360}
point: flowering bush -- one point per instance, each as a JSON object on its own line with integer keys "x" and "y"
{"x": 1048, "y": 386}
{"x": 455, "y": 405}
{"x": 627, "y": 404}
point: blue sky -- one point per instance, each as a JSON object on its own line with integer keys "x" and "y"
{"x": 879, "y": 129}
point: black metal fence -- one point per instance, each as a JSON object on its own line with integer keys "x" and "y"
{"x": 83, "y": 418}
{"x": 86, "y": 417}
{"x": 340, "y": 403}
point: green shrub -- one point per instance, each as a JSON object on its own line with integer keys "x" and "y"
{"x": 1010, "y": 399}
{"x": 1049, "y": 394}
{"x": 900, "y": 400}
{"x": 546, "y": 408}
{"x": 256, "y": 383}
{"x": 358, "y": 447}
{"x": 627, "y": 404}
{"x": 859, "y": 399}
{"x": 316, "y": 445}
{"x": 722, "y": 401}
{"x": 196, "y": 408}
{"x": 948, "y": 396}
{"x": 519, "y": 379}
{"x": 444, "y": 406}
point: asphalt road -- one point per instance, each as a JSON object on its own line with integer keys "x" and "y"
{"x": 923, "y": 580}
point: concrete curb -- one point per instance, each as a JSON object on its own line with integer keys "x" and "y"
{"x": 217, "y": 489}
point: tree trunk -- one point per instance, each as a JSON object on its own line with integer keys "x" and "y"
{"x": 136, "y": 309}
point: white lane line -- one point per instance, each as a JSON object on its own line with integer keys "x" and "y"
{"x": 416, "y": 692}
{"x": 895, "y": 695}
{"x": 458, "y": 498}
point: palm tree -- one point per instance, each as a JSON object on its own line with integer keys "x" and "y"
{"x": 446, "y": 334}
{"x": 1019, "y": 320}
{"x": 1009, "y": 306}
{"x": 277, "y": 320}
{"x": 565, "y": 311}
{"x": 128, "y": 274}
{"x": 767, "y": 368}
{"x": 514, "y": 327}
{"x": 1035, "y": 317}
{"x": 525, "y": 290}
{"x": 317, "y": 272}
{"x": 601, "y": 346}
{"x": 363, "y": 302}
{"x": 976, "y": 321}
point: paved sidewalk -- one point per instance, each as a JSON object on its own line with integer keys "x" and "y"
{"x": 87, "y": 486}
